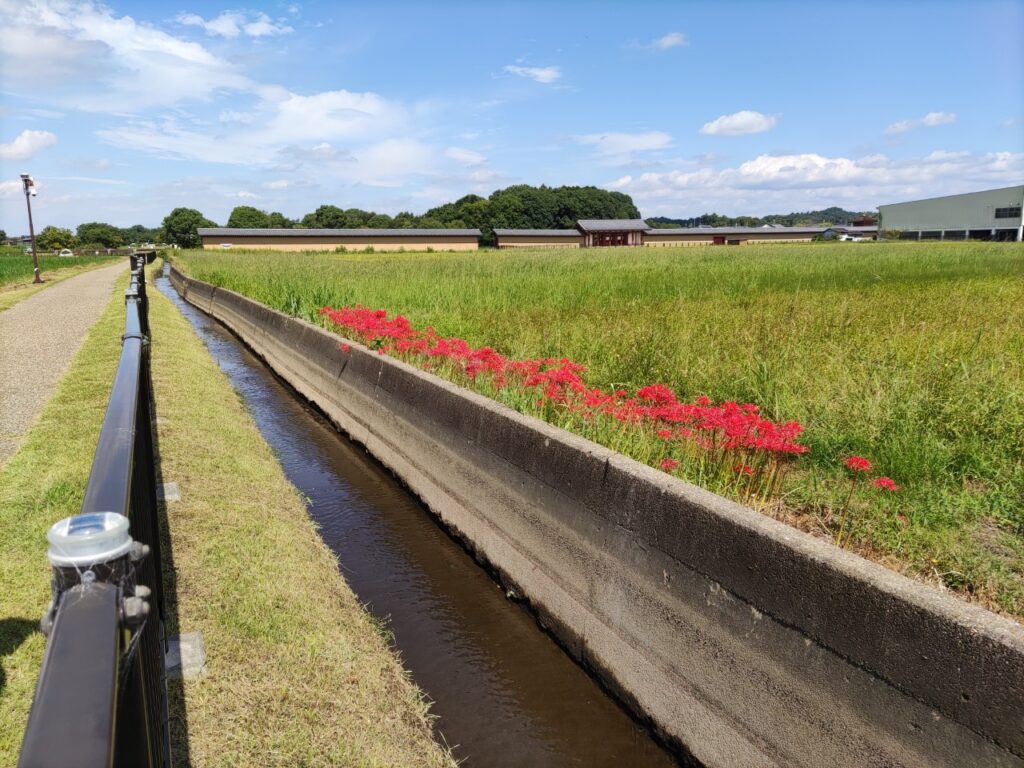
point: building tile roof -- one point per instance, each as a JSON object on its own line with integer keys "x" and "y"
{"x": 612, "y": 225}
{"x": 537, "y": 233}
{"x": 366, "y": 232}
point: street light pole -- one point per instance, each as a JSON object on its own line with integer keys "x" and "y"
{"x": 30, "y": 191}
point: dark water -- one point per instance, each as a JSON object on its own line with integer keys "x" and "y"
{"x": 505, "y": 693}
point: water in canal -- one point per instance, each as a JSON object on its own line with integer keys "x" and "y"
{"x": 505, "y": 693}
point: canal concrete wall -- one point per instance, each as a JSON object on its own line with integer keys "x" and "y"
{"x": 741, "y": 640}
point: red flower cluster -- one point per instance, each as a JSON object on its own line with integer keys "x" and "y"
{"x": 858, "y": 464}
{"x": 728, "y": 427}
{"x": 886, "y": 484}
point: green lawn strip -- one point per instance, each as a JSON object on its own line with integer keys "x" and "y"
{"x": 43, "y": 482}
{"x": 22, "y": 286}
{"x": 297, "y": 671}
{"x": 911, "y": 354}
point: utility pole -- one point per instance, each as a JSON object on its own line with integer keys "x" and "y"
{"x": 30, "y": 192}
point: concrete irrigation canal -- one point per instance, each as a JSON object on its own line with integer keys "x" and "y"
{"x": 505, "y": 693}
{"x": 740, "y": 640}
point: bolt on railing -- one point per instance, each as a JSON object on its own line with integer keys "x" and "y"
{"x": 101, "y": 699}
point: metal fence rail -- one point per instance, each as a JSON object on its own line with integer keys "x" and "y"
{"x": 101, "y": 699}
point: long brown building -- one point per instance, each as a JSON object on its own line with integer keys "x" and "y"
{"x": 626, "y": 232}
{"x": 223, "y": 238}
{"x": 589, "y": 233}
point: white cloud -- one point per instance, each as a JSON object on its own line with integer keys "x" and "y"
{"x": 10, "y": 188}
{"x": 938, "y": 118}
{"x": 26, "y": 144}
{"x": 233, "y": 116}
{"x": 615, "y": 148}
{"x": 930, "y": 120}
{"x": 466, "y": 157}
{"x": 780, "y": 183}
{"x": 540, "y": 74}
{"x": 231, "y": 24}
{"x": 1010, "y": 122}
{"x": 671, "y": 40}
{"x": 89, "y": 180}
{"x": 246, "y": 195}
{"x": 93, "y": 60}
{"x": 277, "y": 184}
{"x": 900, "y": 126}
{"x": 739, "y": 123}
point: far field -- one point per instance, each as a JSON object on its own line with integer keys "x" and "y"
{"x": 16, "y": 272}
{"x": 908, "y": 354}
{"x": 16, "y": 265}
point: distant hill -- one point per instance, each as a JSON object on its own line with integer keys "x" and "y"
{"x": 826, "y": 216}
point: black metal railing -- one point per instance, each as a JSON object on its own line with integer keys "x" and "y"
{"x": 101, "y": 699}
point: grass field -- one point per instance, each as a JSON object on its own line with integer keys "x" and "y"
{"x": 909, "y": 354}
{"x": 16, "y": 265}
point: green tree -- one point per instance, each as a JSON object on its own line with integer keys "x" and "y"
{"x": 180, "y": 227}
{"x": 379, "y": 221}
{"x": 106, "y": 235}
{"x": 277, "y": 220}
{"x": 3, "y": 235}
{"x": 55, "y": 238}
{"x": 247, "y": 217}
{"x": 139, "y": 233}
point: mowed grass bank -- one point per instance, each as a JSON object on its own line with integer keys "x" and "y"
{"x": 908, "y": 354}
{"x": 297, "y": 672}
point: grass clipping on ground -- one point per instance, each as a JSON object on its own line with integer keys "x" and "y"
{"x": 297, "y": 673}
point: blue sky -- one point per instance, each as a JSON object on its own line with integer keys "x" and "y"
{"x": 122, "y": 111}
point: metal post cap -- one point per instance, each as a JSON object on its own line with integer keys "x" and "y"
{"x": 89, "y": 539}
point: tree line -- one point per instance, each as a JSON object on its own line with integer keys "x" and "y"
{"x": 517, "y": 207}
{"x": 825, "y": 217}
{"x": 94, "y": 235}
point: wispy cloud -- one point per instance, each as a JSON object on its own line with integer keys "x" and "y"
{"x": 928, "y": 121}
{"x": 231, "y": 24}
{"x": 26, "y": 144}
{"x": 618, "y": 148}
{"x": 739, "y": 123}
{"x": 540, "y": 74}
{"x": 466, "y": 157}
{"x": 671, "y": 40}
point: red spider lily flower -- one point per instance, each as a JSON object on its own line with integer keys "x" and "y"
{"x": 886, "y": 484}
{"x": 345, "y": 348}
{"x": 858, "y": 464}
{"x": 656, "y": 393}
{"x": 714, "y": 428}
{"x": 743, "y": 469}
{"x": 669, "y": 464}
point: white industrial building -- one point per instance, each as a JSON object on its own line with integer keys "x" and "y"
{"x": 994, "y": 214}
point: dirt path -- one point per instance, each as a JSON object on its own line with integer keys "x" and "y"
{"x": 38, "y": 337}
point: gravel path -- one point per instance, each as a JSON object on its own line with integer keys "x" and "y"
{"x": 38, "y": 338}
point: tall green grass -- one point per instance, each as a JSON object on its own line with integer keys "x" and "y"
{"x": 911, "y": 354}
{"x": 16, "y": 265}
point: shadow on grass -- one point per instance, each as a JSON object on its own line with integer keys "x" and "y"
{"x": 176, "y": 709}
{"x": 13, "y": 632}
